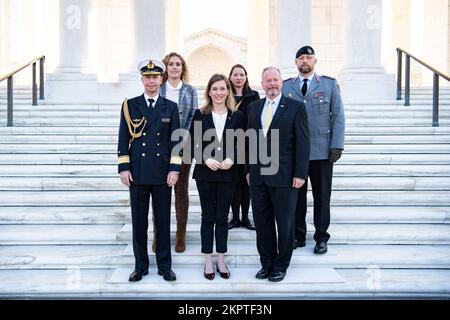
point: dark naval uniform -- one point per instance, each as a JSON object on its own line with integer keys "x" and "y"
{"x": 145, "y": 148}
{"x": 326, "y": 130}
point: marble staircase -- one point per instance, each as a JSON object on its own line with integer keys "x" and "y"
{"x": 65, "y": 226}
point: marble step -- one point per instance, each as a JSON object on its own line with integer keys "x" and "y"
{"x": 122, "y": 214}
{"x": 59, "y": 234}
{"x": 443, "y": 96}
{"x": 392, "y": 114}
{"x": 89, "y": 171}
{"x": 300, "y": 283}
{"x": 112, "y": 118}
{"x": 111, "y": 159}
{"x": 19, "y": 99}
{"x": 112, "y": 140}
{"x": 399, "y": 112}
{"x": 114, "y": 184}
{"x": 49, "y": 148}
{"x": 239, "y": 254}
{"x": 422, "y": 98}
{"x": 117, "y": 234}
{"x": 401, "y": 122}
{"x": 405, "y": 121}
{"x": 341, "y": 256}
{"x": 340, "y": 234}
{"x": 121, "y": 198}
{"x": 61, "y": 115}
{"x": 113, "y": 130}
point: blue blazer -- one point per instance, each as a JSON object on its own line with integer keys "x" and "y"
{"x": 187, "y": 104}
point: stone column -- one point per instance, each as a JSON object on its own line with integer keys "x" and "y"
{"x": 75, "y": 78}
{"x": 363, "y": 76}
{"x": 435, "y": 39}
{"x": 258, "y": 40}
{"x": 21, "y": 43}
{"x": 416, "y": 40}
{"x": 148, "y": 38}
{"x": 75, "y": 29}
{"x": 293, "y": 28}
{"x": 4, "y": 30}
{"x": 174, "y": 41}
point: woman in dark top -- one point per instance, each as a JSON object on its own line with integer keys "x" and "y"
{"x": 215, "y": 173}
{"x": 243, "y": 96}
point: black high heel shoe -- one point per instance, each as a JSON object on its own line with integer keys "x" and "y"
{"x": 209, "y": 276}
{"x": 224, "y": 275}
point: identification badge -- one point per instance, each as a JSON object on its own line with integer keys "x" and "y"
{"x": 165, "y": 119}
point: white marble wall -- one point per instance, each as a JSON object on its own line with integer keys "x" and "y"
{"x": 363, "y": 76}
{"x": 328, "y": 35}
{"x": 292, "y": 27}
{"x": 276, "y": 30}
{"x": 4, "y": 30}
{"x": 437, "y": 46}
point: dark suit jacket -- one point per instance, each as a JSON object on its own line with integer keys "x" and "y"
{"x": 291, "y": 121}
{"x": 247, "y": 97}
{"x": 219, "y": 153}
{"x": 150, "y": 157}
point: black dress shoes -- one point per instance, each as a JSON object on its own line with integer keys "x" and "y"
{"x": 209, "y": 276}
{"x": 299, "y": 244}
{"x": 137, "y": 275}
{"x": 234, "y": 224}
{"x": 262, "y": 274}
{"x": 321, "y": 248}
{"x": 277, "y": 276}
{"x": 248, "y": 224}
{"x": 224, "y": 275}
{"x": 168, "y": 275}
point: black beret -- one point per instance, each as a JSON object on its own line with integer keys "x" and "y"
{"x": 304, "y": 50}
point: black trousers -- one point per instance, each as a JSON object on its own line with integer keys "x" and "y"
{"x": 274, "y": 205}
{"x": 241, "y": 199}
{"x": 161, "y": 199}
{"x": 321, "y": 174}
{"x": 215, "y": 200}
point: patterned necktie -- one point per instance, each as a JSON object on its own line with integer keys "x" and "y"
{"x": 305, "y": 87}
{"x": 150, "y": 101}
{"x": 268, "y": 117}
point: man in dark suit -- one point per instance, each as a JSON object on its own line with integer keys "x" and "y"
{"x": 274, "y": 195}
{"x": 149, "y": 165}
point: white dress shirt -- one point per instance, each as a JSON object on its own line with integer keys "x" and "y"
{"x": 148, "y": 97}
{"x": 274, "y": 108}
{"x": 219, "y": 122}
{"x": 307, "y": 82}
